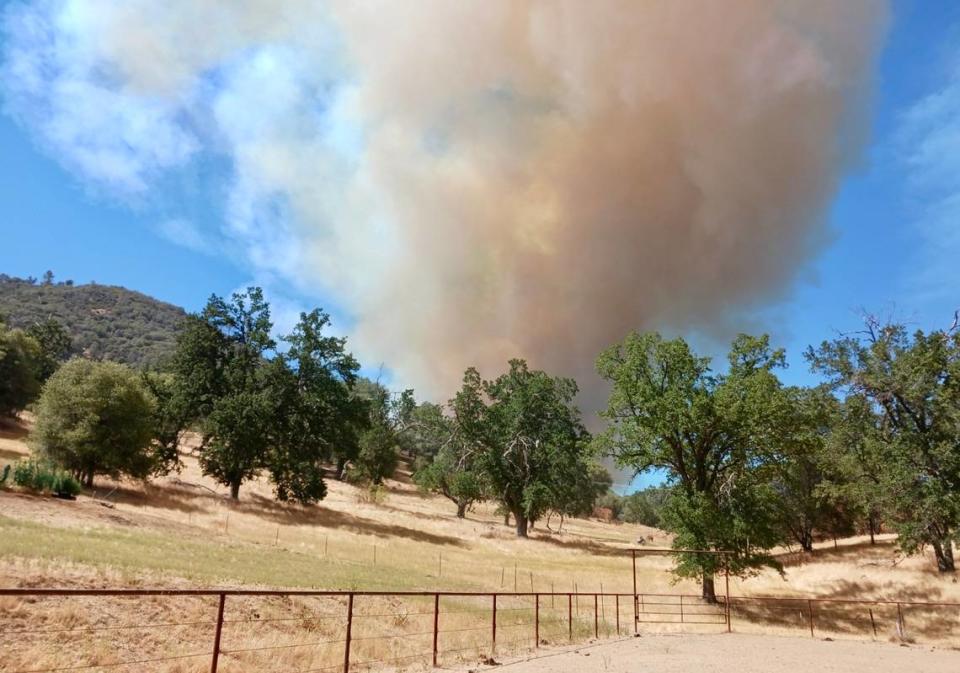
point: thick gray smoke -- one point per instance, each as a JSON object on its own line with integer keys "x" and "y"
{"x": 478, "y": 180}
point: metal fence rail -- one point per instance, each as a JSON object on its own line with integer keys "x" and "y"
{"x": 234, "y": 630}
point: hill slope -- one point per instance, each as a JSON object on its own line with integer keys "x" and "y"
{"x": 104, "y": 321}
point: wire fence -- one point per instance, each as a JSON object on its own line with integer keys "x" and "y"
{"x": 186, "y": 631}
{"x": 233, "y": 631}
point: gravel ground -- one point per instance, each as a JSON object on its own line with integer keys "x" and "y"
{"x": 736, "y": 653}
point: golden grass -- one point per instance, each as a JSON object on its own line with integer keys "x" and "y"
{"x": 182, "y": 531}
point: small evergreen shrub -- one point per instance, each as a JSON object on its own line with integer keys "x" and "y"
{"x": 42, "y": 477}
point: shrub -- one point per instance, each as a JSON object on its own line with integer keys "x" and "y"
{"x": 43, "y": 477}
{"x": 95, "y": 418}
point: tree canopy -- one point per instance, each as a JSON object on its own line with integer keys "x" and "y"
{"x": 527, "y": 435}
{"x": 710, "y": 433}
{"x": 911, "y": 381}
{"x": 259, "y": 409}
{"x": 95, "y": 418}
{"x": 20, "y": 361}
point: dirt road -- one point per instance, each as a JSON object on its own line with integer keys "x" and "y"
{"x": 735, "y": 653}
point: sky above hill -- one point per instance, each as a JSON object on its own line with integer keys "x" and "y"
{"x": 461, "y": 186}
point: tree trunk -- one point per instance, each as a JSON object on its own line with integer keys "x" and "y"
{"x": 235, "y": 490}
{"x": 506, "y": 518}
{"x": 709, "y": 591}
{"x": 943, "y": 550}
{"x": 872, "y": 524}
{"x": 461, "y": 510}
{"x": 88, "y": 479}
{"x": 521, "y": 524}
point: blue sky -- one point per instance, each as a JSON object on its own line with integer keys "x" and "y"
{"x": 893, "y": 218}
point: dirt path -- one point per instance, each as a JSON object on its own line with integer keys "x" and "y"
{"x": 737, "y": 653}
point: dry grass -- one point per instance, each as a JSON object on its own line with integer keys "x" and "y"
{"x": 183, "y": 531}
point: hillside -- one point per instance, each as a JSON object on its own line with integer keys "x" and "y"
{"x": 106, "y": 322}
{"x": 183, "y": 532}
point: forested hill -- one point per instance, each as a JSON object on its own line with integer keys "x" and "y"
{"x": 105, "y": 322}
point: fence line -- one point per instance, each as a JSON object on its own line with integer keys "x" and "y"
{"x": 327, "y": 630}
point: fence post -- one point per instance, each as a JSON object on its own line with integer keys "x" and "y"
{"x": 536, "y": 618}
{"x": 681, "y": 608}
{"x": 901, "y": 627}
{"x": 216, "y": 634}
{"x": 570, "y": 614}
{"x": 727, "y": 602}
{"x": 873, "y": 622}
{"x": 636, "y": 607}
{"x": 436, "y": 626}
{"x": 596, "y": 624}
{"x": 616, "y": 600}
{"x": 346, "y": 642}
{"x": 810, "y": 610}
{"x": 603, "y": 610}
{"x": 493, "y": 645}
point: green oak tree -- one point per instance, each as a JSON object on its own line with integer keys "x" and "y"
{"x": 55, "y": 346}
{"x": 798, "y": 472}
{"x": 171, "y": 419}
{"x": 222, "y": 365}
{"x": 854, "y": 463}
{"x": 20, "y": 360}
{"x": 912, "y": 382}
{"x": 389, "y": 417}
{"x": 316, "y": 415}
{"x": 453, "y": 472}
{"x": 646, "y": 506}
{"x": 527, "y": 434}
{"x": 710, "y": 433}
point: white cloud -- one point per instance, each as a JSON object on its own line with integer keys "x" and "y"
{"x": 929, "y": 145}
{"x": 186, "y": 234}
{"x": 57, "y": 80}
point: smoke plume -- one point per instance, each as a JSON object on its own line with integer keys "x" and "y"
{"x": 476, "y": 180}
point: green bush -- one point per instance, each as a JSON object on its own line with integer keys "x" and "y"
{"x": 40, "y": 476}
{"x": 95, "y": 418}
{"x": 5, "y": 475}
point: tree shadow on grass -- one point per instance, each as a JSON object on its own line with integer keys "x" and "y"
{"x": 882, "y": 553}
{"x": 149, "y": 495}
{"x": 319, "y": 516}
{"x": 13, "y": 428}
{"x": 575, "y": 544}
{"x": 9, "y": 457}
{"x": 856, "y": 619}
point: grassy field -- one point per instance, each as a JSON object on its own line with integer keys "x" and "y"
{"x": 182, "y": 531}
